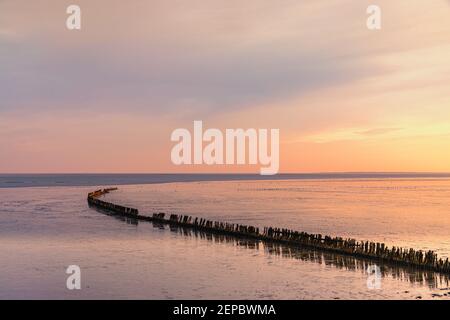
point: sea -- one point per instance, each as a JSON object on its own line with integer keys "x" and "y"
{"x": 46, "y": 226}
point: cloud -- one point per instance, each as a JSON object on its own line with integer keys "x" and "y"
{"x": 158, "y": 58}
{"x": 377, "y": 131}
{"x": 309, "y": 68}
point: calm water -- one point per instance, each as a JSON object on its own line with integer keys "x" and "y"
{"x": 45, "y": 229}
{"x": 58, "y": 180}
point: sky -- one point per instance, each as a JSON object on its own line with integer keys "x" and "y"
{"x": 107, "y": 97}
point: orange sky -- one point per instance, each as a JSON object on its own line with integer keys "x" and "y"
{"x": 106, "y": 98}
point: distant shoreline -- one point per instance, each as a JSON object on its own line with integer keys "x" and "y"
{"x": 103, "y": 179}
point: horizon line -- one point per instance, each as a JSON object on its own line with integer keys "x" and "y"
{"x": 230, "y": 173}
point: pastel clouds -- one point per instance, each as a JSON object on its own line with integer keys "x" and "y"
{"x": 137, "y": 70}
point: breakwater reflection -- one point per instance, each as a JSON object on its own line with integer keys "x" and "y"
{"x": 431, "y": 279}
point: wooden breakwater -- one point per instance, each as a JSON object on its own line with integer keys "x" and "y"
{"x": 114, "y": 208}
{"x": 380, "y": 252}
{"x": 429, "y": 278}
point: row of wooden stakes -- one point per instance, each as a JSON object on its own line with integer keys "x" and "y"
{"x": 94, "y": 201}
{"x": 372, "y": 250}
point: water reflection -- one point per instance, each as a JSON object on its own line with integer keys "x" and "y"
{"x": 430, "y": 279}
{"x": 125, "y": 219}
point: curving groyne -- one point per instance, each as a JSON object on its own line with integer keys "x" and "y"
{"x": 114, "y": 208}
{"x": 380, "y": 252}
